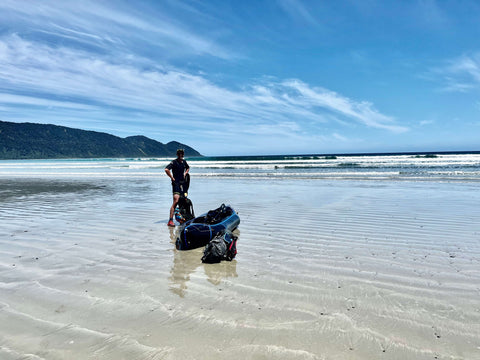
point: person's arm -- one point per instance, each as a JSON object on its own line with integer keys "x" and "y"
{"x": 187, "y": 169}
{"x": 169, "y": 173}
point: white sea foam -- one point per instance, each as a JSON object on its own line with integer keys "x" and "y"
{"x": 456, "y": 167}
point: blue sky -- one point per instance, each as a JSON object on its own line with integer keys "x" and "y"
{"x": 249, "y": 77}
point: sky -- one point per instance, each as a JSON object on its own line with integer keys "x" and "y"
{"x": 249, "y": 77}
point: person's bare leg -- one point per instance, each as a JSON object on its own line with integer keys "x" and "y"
{"x": 176, "y": 197}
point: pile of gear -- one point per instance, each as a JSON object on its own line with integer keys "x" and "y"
{"x": 212, "y": 230}
{"x": 221, "y": 247}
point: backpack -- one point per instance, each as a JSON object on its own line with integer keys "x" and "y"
{"x": 184, "y": 210}
{"x": 221, "y": 247}
{"x": 217, "y": 215}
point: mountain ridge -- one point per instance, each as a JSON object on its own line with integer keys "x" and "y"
{"x": 47, "y": 141}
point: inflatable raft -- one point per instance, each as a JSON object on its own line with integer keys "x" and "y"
{"x": 200, "y": 230}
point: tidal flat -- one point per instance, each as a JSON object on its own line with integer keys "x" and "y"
{"x": 326, "y": 269}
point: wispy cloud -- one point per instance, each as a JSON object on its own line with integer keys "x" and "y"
{"x": 73, "y": 76}
{"x": 11, "y": 99}
{"x": 92, "y": 23}
{"x": 108, "y": 67}
{"x": 429, "y": 13}
{"x": 297, "y": 11}
{"x": 461, "y": 74}
{"x": 339, "y": 137}
{"x": 363, "y": 112}
{"x": 426, "y": 122}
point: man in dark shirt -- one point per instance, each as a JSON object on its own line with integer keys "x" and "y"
{"x": 176, "y": 171}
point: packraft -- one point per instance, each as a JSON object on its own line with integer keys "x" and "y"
{"x": 199, "y": 231}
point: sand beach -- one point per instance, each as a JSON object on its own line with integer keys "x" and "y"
{"x": 345, "y": 135}
{"x": 326, "y": 269}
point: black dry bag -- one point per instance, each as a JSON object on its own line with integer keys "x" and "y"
{"x": 184, "y": 210}
{"x": 221, "y": 247}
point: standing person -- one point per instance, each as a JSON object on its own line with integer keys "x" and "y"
{"x": 176, "y": 170}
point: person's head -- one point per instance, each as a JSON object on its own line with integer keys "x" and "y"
{"x": 180, "y": 153}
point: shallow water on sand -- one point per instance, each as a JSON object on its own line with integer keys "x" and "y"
{"x": 325, "y": 270}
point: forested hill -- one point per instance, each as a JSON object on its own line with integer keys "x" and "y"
{"x": 38, "y": 141}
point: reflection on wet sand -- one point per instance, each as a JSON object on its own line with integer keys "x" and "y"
{"x": 217, "y": 272}
{"x": 186, "y": 263}
{"x": 24, "y": 188}
{"x": 173, "y": 233}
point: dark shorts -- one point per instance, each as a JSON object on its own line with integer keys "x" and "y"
{"x": 176, "y": 188}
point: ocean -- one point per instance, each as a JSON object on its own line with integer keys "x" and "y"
{"x": 417, "y": 167}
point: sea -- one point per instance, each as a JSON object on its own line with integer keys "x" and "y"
{"x": 407, "y": 166}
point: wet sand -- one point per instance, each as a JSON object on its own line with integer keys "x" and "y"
{"x": 325, "y": 270}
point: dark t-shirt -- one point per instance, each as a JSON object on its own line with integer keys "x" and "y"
{"x": 178, "y": 169}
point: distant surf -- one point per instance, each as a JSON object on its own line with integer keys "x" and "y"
{"x": 417, "y": 167}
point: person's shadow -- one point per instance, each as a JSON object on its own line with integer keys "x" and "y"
{"x": 186, "y": 262}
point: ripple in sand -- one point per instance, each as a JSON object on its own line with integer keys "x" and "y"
{"x": 350, "y": 271}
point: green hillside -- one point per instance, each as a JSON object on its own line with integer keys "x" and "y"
{"x": 39, "y": 141}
